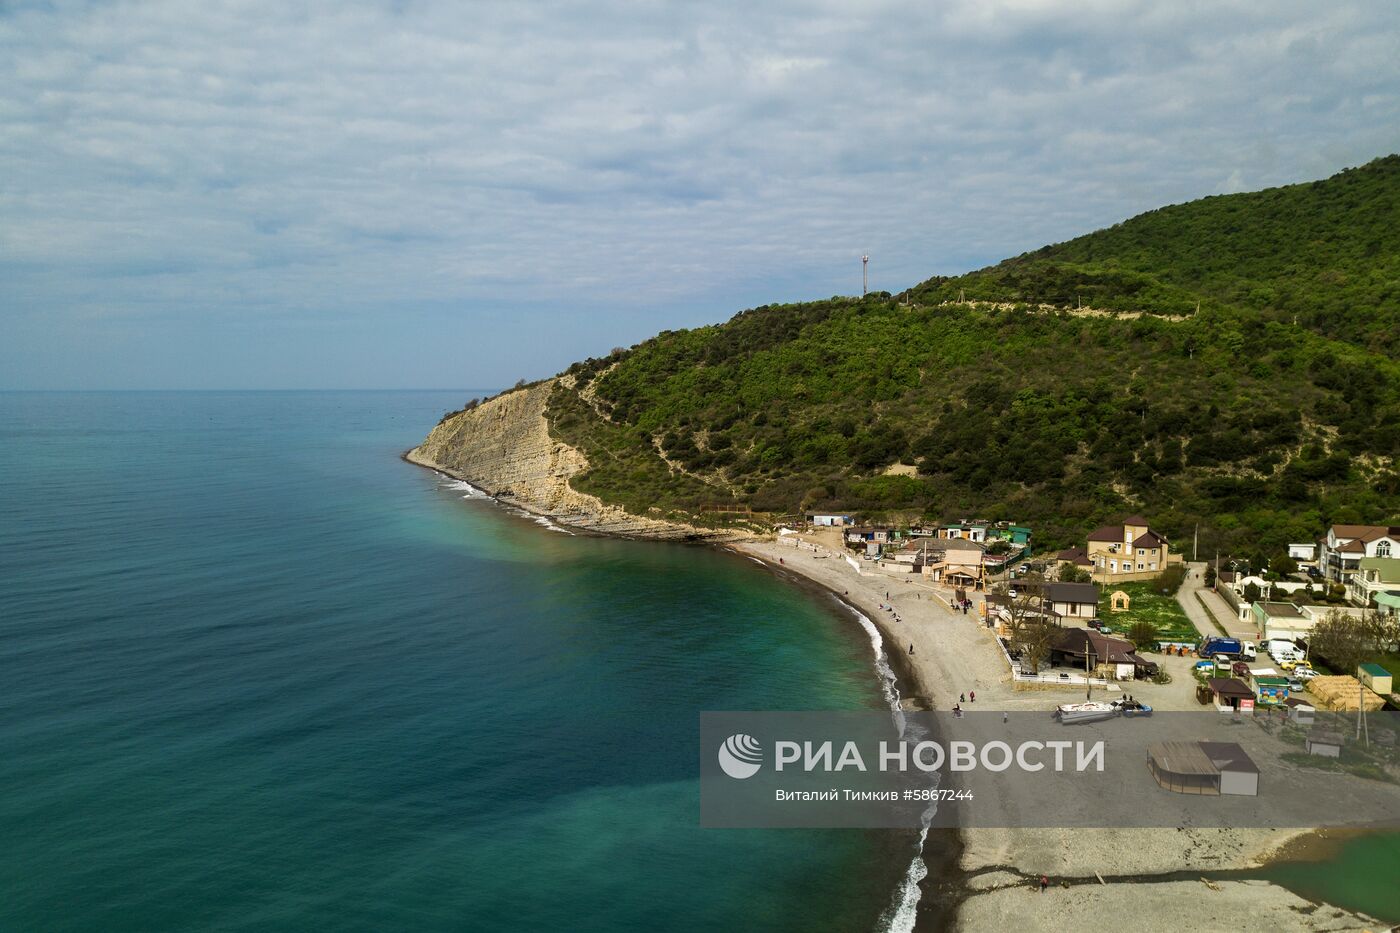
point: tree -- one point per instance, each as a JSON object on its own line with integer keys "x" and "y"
{"x": 1069, "y": 573}
{"x": 1345, "y": 640}
{"x": 1143, "y": 635}
{"x": 1030, "y": 630}
{"x": 1251, "y": 593}
{"x": 1210, "y": 575}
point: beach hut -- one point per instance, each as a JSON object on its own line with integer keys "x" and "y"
{"x": 1324, "y": 743}
{"x": 1376, "y": 678}
{"x": 1272, "y": 691}
{"x": 1230, "y": 694}
{"x": 1300, "y": 711}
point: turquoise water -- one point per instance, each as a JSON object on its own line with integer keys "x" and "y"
{"x": 1363, "y": 874}
{"x": 259, "y": 674}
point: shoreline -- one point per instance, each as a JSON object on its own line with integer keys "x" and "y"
{"x": 984, "y": 874}
{"x": 943, "y": 883}
{"x": 995, "y": 868}
{"x": 932, "y": 911}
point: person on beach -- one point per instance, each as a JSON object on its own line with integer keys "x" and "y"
{"x": 1044, "y": 883}
{"x": 972, "y": 696}
{"x": 911, "y": 649}
{"x": 962, "y": 697}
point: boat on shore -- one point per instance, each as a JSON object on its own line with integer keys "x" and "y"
{"x": 1089, "y": 711}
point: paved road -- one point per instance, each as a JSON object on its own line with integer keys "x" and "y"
{"x": 1220, "y": 614}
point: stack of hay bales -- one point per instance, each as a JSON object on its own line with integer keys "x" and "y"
{"x": 1342, "y": 693}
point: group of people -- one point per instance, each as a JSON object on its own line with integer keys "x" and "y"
{"x": 969, "y": 697}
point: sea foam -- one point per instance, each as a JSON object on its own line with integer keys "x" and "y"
{"x": 899, "y": 917}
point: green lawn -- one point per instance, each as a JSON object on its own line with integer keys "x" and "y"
{"x": 1148, "y": 605}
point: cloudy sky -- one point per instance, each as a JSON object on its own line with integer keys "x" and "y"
{"x": 421, "y": 194}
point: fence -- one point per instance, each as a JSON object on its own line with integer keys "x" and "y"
{"x": 1062, "y": 678}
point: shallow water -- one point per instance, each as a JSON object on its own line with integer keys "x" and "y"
{"x": 261, "y": 674}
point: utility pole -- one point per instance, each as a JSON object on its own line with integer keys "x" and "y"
{"x": 1195, "y": 542}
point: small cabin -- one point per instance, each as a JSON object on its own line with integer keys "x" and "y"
{"x": 1300, "y": 712}
{"x": 1324, "y": 743}
{"x": 1230, "y": 694}
{"x": 1376, "y": 678}
{"x": 1272, "y": 691}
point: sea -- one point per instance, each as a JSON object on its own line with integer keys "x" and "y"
{"x": 258, "y": 673}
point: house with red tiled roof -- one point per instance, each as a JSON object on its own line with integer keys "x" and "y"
{"x": 1341, "y": 552}
{"x": 1128, "y": 551}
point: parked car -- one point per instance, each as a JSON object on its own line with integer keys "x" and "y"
{"x": 1296, "y": 686}
{"x": 1288, "y": 664}
{"x": 1303, "y": 672}
{"x": 1239, "y": 669}
{"x": 1011, "y": 592}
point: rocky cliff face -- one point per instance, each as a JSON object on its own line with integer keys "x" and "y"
{"x": 503, "y": 447}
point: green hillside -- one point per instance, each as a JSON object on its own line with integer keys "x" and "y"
{"x": 1260, "y": 428}
{"x": 1325, "y": 253}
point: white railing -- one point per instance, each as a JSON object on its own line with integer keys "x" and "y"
{"x": 1058, "y": 677}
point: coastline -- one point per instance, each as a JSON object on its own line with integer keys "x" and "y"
{"x": 935, "y": 873}
{"x": 932, "y": 909}
{"x": 984, "y": 874}
{"x": 996, "y": 868}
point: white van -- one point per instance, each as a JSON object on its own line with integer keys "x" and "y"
{"x": 1278, "y": 646}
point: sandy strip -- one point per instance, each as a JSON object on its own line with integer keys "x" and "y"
{"x": 955, "y": 655}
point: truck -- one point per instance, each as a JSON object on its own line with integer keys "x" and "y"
{"x": 1230, "y": 647}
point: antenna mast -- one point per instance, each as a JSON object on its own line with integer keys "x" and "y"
{"x": 864, "y": 274}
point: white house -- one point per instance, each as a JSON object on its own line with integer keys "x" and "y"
{"x": 1340, "y": 553}
{"x": 1303, "y": 553}
{"x": 830, "y": 521}
{"x": 1374, "y": 576}
{"x": 1284, "y": 621}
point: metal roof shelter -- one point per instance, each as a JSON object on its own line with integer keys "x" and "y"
{"x": 1203, "y": 768}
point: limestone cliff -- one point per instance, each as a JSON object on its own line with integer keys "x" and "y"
{"x": 503, "y": 447}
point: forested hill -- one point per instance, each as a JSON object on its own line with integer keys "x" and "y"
{"x": 1325, "y": 253}
{"x": 1260, "y": 428}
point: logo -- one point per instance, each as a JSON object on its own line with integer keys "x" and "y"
{"x": 740, "y": 756}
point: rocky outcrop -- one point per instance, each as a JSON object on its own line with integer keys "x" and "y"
{"x": 503, "y": 447}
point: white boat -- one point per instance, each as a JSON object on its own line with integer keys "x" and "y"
{"x": 1085, "y": 712}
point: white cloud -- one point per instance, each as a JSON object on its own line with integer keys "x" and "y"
{"x": 271, "y": 160}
